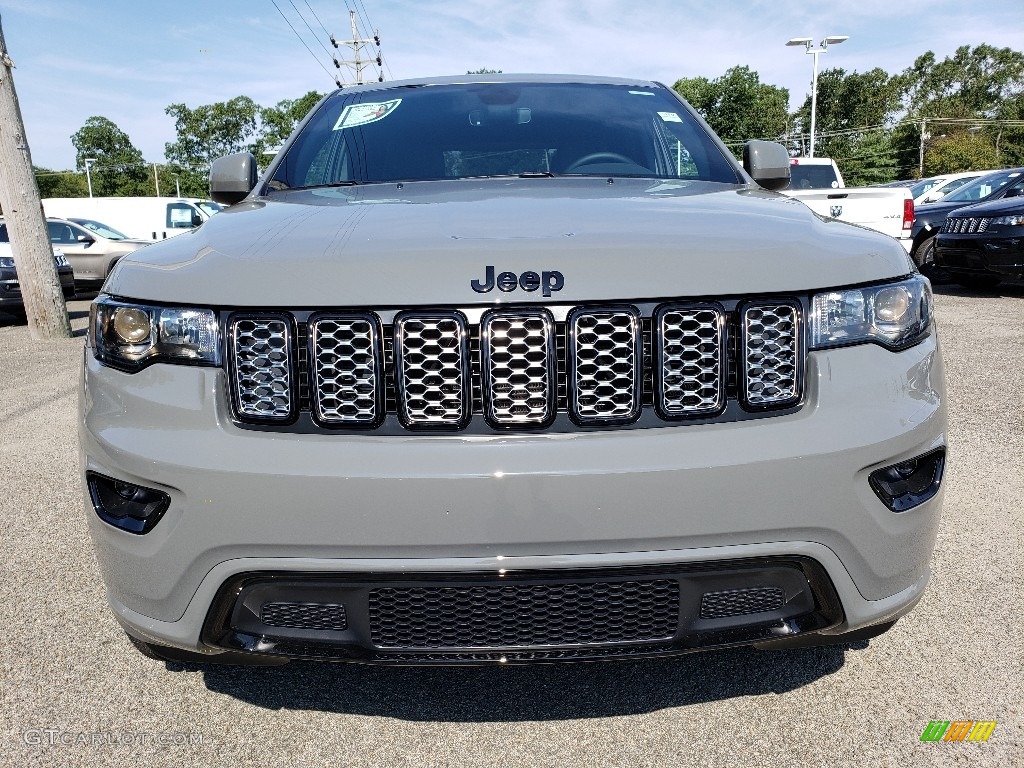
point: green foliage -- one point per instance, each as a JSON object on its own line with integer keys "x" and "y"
{"x": 737, "y": 105}
{"x": 971, "y": 83}
{"x": 209, "y": 131}
{"x": 960, "y": 151}
{"x": 278, "y": 122}
{"x": 119, "y": 168}
{"x": 60, "y": 183}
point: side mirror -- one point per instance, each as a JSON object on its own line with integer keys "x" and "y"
{"x": 196, "y": 219}
{"x": 1014, "y": 192}
{"x": 86, "y": 239}
{"x": 232, "y": 177}
{"x": 767, "y": 162}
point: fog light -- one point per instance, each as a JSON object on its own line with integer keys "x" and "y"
{"x": 130, "y": 507}
{"x": 910, "y": 483}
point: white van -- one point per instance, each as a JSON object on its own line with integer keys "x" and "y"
{"x": 153, "y": 218}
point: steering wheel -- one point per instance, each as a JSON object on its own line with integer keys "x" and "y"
{"x": 593, "y": 157}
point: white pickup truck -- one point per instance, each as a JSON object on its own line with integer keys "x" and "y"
{"x": 817, "y": 183}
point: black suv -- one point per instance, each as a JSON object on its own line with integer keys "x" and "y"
{"x": 980, "y": 245}
{"x": 928, "y": 219}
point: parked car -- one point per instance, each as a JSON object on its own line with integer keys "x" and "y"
{"x": 151, "y": 218}
{"x": 929, "y": 218}
{"x": 510, "y": 369}
{"x": 934, "y": 188}
{"x": 92, "y": 247}
{"x": 10, "y": 287}
{"x": 981, "y": 245}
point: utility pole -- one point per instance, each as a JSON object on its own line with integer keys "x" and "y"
{"x": 156, "y": 180}
{"x": 357, "y": 44}
{"x": 23, "y": 214}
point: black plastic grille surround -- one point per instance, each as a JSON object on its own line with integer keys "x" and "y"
{"x": 519, "y": 367}
{"x": 524, "y": 615}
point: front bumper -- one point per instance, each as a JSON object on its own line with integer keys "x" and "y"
{"x": 992, "y": 254}
{"x": 10, "y": 287}
{"x": 675, "y": 498}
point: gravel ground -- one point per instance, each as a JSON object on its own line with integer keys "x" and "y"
{"x": 68, "y": 675}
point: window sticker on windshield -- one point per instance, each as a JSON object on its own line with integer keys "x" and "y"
{"x": 670, "y": 117}
{"x": 641, "y": 93}
{"x": 361, "y": 114}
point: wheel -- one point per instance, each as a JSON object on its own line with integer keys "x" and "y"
{"x": 596, "y": 156}
{"x": 924, "y": 255}
{"x": 978, "y": 282}
{"x": 165, "y": 653}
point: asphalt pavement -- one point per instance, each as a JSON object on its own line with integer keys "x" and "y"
{"x": 74, "y": 692}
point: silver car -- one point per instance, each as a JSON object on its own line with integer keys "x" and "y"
{"x": 506, "y": 369}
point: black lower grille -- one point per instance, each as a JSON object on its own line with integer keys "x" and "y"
{"x": 738, "y": 602}
{"x": 305, "y": 616}
{"x": 524, "y": 615}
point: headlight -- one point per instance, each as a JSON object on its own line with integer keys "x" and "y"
{"x": 6, "y": 262}
{"x": 1015, "y": 220}
{"x": 60, "y": 259}
{"x": 130, "y": 336}
{"x": 895, "y": 315}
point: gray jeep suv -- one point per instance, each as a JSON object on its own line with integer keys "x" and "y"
{"x": 501, "y": 369}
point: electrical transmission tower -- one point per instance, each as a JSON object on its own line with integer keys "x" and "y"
{"x": 359, "y": 58}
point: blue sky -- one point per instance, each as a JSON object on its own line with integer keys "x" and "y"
{"x": 128, "y": 60}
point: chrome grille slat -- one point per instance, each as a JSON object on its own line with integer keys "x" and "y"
{"x": 605, "y": 368}
{"x": 691, "y": 359}
{"x": 771, "y": 354}
{"x": 518, "y": 367}
{"x": 432, "y": 366}
{"x": 262, "y": 366}
{"x": 345, "y": 369}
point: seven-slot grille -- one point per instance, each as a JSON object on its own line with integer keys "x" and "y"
{"x": 965, "y": 225}
{"x": 517, "y": 367}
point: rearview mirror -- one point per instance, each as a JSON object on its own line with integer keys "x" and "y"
{"x": 767, "y": 162}
{"x": 232, "y": 177}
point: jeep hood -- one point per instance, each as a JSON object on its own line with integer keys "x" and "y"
{"x": 422, "y": 243}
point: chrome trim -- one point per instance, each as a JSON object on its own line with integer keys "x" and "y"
{"x": 464, "y": 406}
{"x": 754, "y": 400}
{"x": 493, "y": 402}
{"x": 573, "y": 374}
{"x": 373, "y": 412}
{"x": 290, "y": 391}
{"x": 660, "y": 342}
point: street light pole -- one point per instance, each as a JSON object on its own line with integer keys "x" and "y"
{"x": 88, "y": 178}
{"x": 806, "y": 42}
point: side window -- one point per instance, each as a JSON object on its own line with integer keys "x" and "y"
{"x": 179, "y": 216}
{"x": 61, "y": 234}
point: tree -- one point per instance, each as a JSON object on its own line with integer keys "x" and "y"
{"x": 483, "y": 71}
{"x": 853, "y": 115}
{"x": 60, "y": 183}
{"x": 119, "y": 168}
{"x": 737, "y": 105}
{"x": 206, "y": 133}
{"x": 959, "y": 151}
{"x": 278, "y": 122}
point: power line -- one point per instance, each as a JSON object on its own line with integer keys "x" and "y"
{"x": 304, "y": 43}
{"x": 317, "y": 18}
{"x": 314, "y": 34}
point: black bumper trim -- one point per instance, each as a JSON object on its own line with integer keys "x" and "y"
{"x": 233, "y": 622}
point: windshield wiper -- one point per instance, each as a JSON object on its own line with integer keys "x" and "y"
{"x": 536, "y": 175}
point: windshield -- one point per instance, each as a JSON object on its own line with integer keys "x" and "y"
{"x": 209, "y": 208}
{"x": 983, "y": 187}
{"x": 923, "y": 186}
{"x": 501, "y": 129}
{"x": 100, "y": 229}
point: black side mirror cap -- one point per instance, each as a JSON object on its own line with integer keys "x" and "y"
{"x": 767, "y": 162}
{"x": 232, "y": 177}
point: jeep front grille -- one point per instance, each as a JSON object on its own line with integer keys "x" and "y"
{"x": 959, "y": 225}
{"x": 517, "y": 368}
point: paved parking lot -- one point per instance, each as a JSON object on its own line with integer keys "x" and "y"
{"x": 73, "y": 692}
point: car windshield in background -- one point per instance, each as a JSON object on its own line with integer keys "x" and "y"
{"x": 501, "y": 129}
{"x": 210, "y": 208}
{"x": 983, "y": 187}
{"x": 100, "y": 229}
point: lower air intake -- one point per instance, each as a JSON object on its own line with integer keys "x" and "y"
{"x": 738, "y": 602}
{"x": 322, "y": 616}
